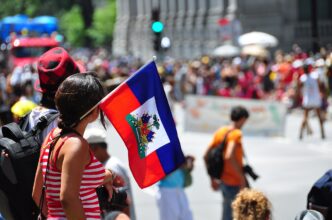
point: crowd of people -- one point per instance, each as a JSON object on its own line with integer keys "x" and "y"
{"x": 68, "y": 170}
{"x": 244, "y": 76}
{"x": 52, "y": 86}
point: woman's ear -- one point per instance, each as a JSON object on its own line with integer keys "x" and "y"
{"x": 94, "y": 114}
{"x": 96, "y": 111}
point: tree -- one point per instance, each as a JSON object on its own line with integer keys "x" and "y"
{"x": 103, "y": 24}
{"x": 87, "y": 15}
{"x": 81, "y": 24}
{"x": 34, "y": 8}
{"x": 72, "y": 27}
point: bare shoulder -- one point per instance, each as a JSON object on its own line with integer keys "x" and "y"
{"x": 76, "y": 145}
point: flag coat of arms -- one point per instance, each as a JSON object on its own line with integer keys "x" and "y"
{"x": 139, "y": 111}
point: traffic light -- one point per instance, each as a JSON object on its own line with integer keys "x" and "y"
{"x": 157, "y": 28}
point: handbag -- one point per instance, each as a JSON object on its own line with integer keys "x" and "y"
{"x": 188, "y": 179}
{"x": 187, "y": 169}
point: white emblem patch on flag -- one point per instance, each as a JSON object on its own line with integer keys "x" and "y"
{"x": 148, "y": 128}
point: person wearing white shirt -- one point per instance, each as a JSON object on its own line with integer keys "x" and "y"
{"x": 312, "y": 100}
{"x": 96, "y": 138}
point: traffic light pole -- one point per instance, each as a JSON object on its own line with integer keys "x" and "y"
{"x": 157, "y": 28}
{"x": 314, "y": 27}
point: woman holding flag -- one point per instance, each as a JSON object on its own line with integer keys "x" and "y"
{"x": 68, "y": 174}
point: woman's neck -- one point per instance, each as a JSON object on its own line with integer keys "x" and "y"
{"x": 80, "y": 128}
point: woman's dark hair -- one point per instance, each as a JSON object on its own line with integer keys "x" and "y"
{"x": 76, "y": 95}
{"x": 238, "y": 113}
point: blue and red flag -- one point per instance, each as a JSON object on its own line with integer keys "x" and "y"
{"x": 139, "y": 111}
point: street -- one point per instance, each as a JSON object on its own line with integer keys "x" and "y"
{"x": 287, "y": 168}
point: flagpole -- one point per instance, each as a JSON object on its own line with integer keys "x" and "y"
{"x": 88, "y": 112}
{"x": 154, "y": 58}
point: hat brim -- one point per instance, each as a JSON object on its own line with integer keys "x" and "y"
{"x": 37, "y": 82}
{"x": 37, "y": 86}
{"x": 80, "y": 66}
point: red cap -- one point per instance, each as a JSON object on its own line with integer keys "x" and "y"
{"x": 54, "y": 66}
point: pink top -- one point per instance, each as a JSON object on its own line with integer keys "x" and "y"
{"x": 93, "y": 176}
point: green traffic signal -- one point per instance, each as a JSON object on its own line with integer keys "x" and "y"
{"x": 157, "y": 27}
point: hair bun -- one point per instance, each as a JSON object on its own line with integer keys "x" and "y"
{"x": 66, "y": 123}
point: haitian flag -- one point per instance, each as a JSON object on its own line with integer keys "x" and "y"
{"x": 139, "y": 111}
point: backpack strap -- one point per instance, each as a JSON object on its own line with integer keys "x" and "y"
{"x": 222, "y": 144}
{"x": 51, "y": 148}
{"x": 24, "y": 121}
{"x": 57, "y": 151}
{"x": 42, "y": 197}
{"x": 43, "y": 122}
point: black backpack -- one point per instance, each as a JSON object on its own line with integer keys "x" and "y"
{"x": 215, "y": 159}
{"x": 17, "y": 172}
{"x": 320, "y": 195}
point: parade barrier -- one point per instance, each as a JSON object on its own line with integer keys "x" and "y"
{"x": 208, "y": 113}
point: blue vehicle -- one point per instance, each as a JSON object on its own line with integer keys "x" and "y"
{"x": 27, "y": 38}
{"x": 34, "y": 26}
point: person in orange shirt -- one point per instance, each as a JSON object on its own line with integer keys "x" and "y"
{"x": 232, "y": 178}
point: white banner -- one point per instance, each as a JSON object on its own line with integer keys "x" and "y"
{"x": 208, "y": 113}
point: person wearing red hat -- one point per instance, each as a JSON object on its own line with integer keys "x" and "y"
{"x": 54, "y": 66}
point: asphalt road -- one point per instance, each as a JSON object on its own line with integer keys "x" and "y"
{"x": 287, "y": 168}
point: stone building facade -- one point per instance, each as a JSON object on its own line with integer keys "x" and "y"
{"x": 192, "y": 25}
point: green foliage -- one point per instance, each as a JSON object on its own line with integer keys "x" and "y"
{"x": 70, "y": 21}
{"x": 33, "y": 8}
{"x": 72, "y": 27}
{"x": 103, "y": 24}
{"x": 10, "y": 7}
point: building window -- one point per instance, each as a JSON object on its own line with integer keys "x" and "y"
{"x": 324, "y": 10}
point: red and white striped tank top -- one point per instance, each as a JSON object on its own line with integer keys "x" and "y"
{"x": 93, "y": 176}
